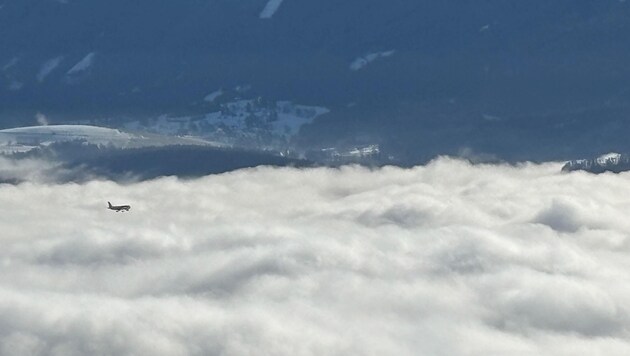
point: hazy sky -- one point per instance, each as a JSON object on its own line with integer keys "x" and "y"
{"x": 447, "y": 259}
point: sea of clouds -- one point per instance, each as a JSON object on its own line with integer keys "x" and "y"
{"x": 444, "y": 259}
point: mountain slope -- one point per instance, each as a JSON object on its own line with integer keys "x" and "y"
{"x": 535, "y": 80}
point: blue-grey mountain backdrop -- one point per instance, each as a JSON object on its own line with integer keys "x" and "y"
{"x": 384, "y": 82}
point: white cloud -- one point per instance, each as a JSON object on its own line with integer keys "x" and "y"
{"x": 446, "y": 259}
{"x": 31, "y": 170}
{"x": 46, "y": 170}
{"x": 41, "y": 119}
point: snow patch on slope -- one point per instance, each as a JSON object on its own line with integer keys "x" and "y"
{"x": 48, "y": 67}
{"x": 270, "y": 9}
{"x": 210, "y": 98}
{"x": 609, "y": 158}
{"x": 83, "y": 65}
{"x": 361, "y": 62}
{"x": 10, "y": 64}
{"x": 15, "y": 85}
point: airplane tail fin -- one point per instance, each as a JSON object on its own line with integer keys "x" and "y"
{"x": 110, "y": 204}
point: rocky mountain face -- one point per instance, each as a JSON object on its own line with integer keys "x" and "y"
{"x": 610, "y": 162}
{"x": 507, "y": 79}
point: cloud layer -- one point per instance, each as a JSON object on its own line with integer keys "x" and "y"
{"x": 445, "y": 259}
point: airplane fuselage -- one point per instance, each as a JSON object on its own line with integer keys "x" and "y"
{"x": 118, "y": 208}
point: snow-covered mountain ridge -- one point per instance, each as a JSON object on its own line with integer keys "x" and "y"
{"x": 244, "y": 122}
{"x": 23, "y": 139}
{"x": 610, "y": 162}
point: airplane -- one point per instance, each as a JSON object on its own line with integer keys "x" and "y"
{"x": 118, "y": 208}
